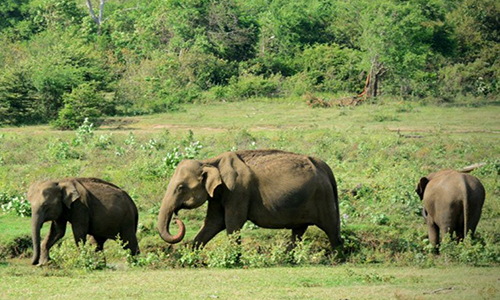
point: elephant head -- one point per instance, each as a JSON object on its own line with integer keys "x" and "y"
{"x": 192, "y": 184}
{"x": 48, "y": 199}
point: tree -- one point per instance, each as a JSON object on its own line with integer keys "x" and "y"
{"x": 394, "y": 41}
{"x": 17, "y": 98}
{"x": 98, "y": 20}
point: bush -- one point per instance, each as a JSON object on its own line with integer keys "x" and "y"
{"x": 330, "y": 68}
{"x": 85, "y": 101}
{"x": 68, "y": 256}
{"x": 18, "y": 99}
{"x": 225, "y": 253}
{"x": 17, "y": 204}
{"x": 249, "y": 86}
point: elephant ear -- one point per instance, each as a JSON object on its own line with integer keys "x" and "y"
{"x": 421, "y": 187}
{"x": 231, "y": 167}
{"x": 69, "y": 193}
{"x": 211, "y": 179}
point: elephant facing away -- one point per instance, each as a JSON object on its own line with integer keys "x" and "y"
{"x": 452, "y": 203}
{"x": 271, "y": 188}
{"x": 92, "y": 206}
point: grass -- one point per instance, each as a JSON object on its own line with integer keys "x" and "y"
{"x": 339, "y": 282}
{"x": 377, "y": 152}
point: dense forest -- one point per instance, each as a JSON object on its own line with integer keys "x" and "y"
{"x": 64, "y": 60}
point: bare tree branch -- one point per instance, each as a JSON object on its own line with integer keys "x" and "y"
{"x": 101, "y": 10}
{"x": 91, "y": 12}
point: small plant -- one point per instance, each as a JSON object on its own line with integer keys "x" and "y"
{"x": 190, "y": 257}
{"x": 130, "y": 141}
{"x": 119, "y": 151}
{"x": 150, "y": 145}
{"x": 85, "y": 256}
{"x": 103, "y": 141}
{"x": 17, "y": 204}
{"x": 84, "y": 133}
{"x": 226, "y": 253}
{"x": 385, "y": 118}
{"x": 61, "y": 150}
{"x": 152, "y": 260}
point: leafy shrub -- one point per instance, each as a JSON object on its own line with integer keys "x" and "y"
{"x": 225, "y": 253}
{"x": 476, "y": 252}
{"x": 60, "y": 150}
{"x": 330, "y": 68}
{"x": 17, "y": 204}
{"x": 17, "y": 97}
{"x": 84, "y": 102}
{"x": 68, "y": 256}
{"x": 84, "y": 133}
{"x": 249, "y": 86}
{"x": 151, "y": 260}
{"x": 189, "y": 257}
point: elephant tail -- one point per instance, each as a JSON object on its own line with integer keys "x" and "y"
{"x": 466, "y": 208}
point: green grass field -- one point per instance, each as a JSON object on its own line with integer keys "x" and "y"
{"x": 379, "y": 150}
{"x": 340, "y": 282}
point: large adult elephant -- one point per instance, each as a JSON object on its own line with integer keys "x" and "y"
{"x": 452, "y": 203}
{"x": 271, "y": 188}
{"x": 92, "y": 206}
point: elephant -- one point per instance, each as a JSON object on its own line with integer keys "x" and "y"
{"x": 452, "y": 203}
{"x": 93, "y": 207}
{"x": 271, "y": 188}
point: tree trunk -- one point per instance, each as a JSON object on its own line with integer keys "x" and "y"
{"x": 97, "y": 20}
{"x": 374, "y": 75}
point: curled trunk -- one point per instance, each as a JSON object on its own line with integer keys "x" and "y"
{"x": 164, "y": 223}
{"x": 36, "y": 225}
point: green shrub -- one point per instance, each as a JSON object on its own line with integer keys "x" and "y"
{"x": 68, "y": 256}
{"x": 330, "y": 68}
{"x": 17, "y": 204}
{"x": 225, "y": 253}
{"x": 18, "y": 100}
{"x": 476, "y": 252}
{"x": 249, "y": 86}
{"x": 84, "y": 102}
{"x": 189, "y": 257}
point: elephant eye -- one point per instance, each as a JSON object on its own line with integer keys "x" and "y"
{"x": 180, "y": 188}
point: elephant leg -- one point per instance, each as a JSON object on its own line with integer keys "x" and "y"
{"x": 297, "y": 234}
{"x": 214, "y": 223}
{"x": 330, "y": 224}
{"x": 130, "y": 240}
{"x": 80, "y": 233}
{"x": 99, "y": 241}
{"x": 235, "y": 213}
{"x": 433, "y": 232}
{"x": 332, "y": 233}
{"x": 57, "y": 231}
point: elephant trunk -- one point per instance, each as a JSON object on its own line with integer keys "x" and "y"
{"x": 166, "y": 212}
{"x": 36, "y": 226}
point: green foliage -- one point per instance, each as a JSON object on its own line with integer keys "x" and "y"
{"x": 85, "y": 257}
{"x": 84, "y": 102}
{"x": 331, "y": 68}
{"x": 156, "y": 56}
{"x": 250, "y": 86}
{"x": 16, "y": 204}
{"x": 17, "y": 98}
{"x": 225, "y": 254}
{"x": 476, "y": 252}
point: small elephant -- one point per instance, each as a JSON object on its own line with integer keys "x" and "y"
{"x": 92, "y": 206}
{"x": 452, "y": 203}
{"x": 271, "y": 188}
